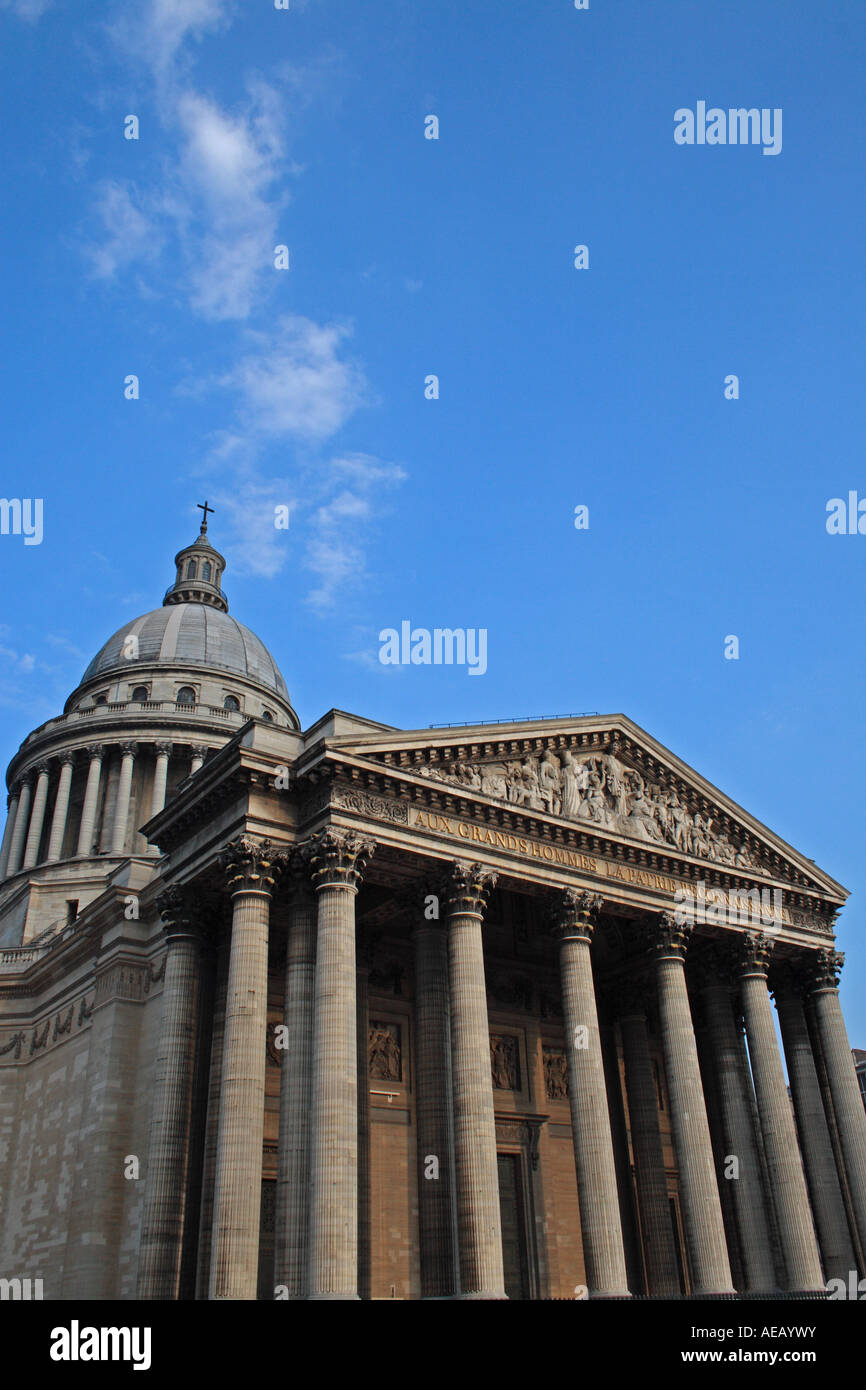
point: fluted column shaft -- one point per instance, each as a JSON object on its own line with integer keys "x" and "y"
{"x": 37, "y": 819}
{"x": 842, "y": 1079}
{"x": 434, "y": 1119}
{"x": 699, "y": 1194}
{"x": 652, "y": 1189}
{"x": 198, "y": 757}
{"x": 61, "y": 810}
{"x": 787, "y": 1182}
{"x": 601, "y": 1227}
{"x": 747, "y": 1188}
{"x": 164, "y": 1214}
{"x": 362, "y": 987}
{"x": 237, "y": 1189}
{"x": 337, "y": 861}
{"x": 296, "y": 1096}
{"x": 9, "y": 831}
{"x": 834, "y": 1237}
{"x": 91, "y": 796}
{"x": 22, "y": 817}
{"x": 477, "y": 1176}
{"x": 157, "y": 800}
{"x": 121, "y": 810}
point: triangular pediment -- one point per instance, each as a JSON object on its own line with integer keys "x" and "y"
{"x": 602, "y": 776}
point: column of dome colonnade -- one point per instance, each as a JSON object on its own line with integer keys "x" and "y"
{"x": 660, "y": 1256}
{"x": 476, "y": 1168}
{"x": 250, "y": 872}
{"x": 576, "y": 915}
{"x": 61, "y": 808}
{"x": 37, "y": 816}
{"x": 337, "y": 860}
{"x": 789, "y": 983}
{"x": 787, "y": 1180}
{"x": 713, "y": 975}
{"x": 22, "y": 817}
{"x": 25, "y": 822}
{"x": 843, "y": 1096}
{"x": 168, "y": 1156}
{"x": 699, "y": 1194}
{"x": 9, "y": 829}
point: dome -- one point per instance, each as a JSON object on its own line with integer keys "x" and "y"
{"x": 182, "y": 634}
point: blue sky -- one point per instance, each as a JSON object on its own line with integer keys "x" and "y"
{"x": 558, "y": 387}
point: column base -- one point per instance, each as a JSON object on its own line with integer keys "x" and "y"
{"x": 333, "y": 1298}
{"x": 470, "y": 1297}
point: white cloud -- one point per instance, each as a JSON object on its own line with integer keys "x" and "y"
{"x": 129, "y": 232}
{"x": 27, "y": 9}
{"x": 295, "y": 383}
{"x": 157, "y": 30}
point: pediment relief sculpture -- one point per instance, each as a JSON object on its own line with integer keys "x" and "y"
{"x": 597, "y": 790}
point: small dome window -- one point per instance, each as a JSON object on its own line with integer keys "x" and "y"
{"x": 205, "y": 572}
{"x": 100, "y": 700}
{"x": 186, "y": 695}
{"x": 233, "y": 703}
{"x": 139, "y": 694}
{"x": 191, "y": 570}
{"x": 267, "y": 716}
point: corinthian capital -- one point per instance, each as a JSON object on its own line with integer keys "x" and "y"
{"x": 467, "y": 887}
{"x": 670, "y": 937}
{"x": 823, "y": 969}
{"x": 575, "y": 914}
{"x": 249, "y": 867}
{"x": 338, "y": 858}
{"x": 755, "y": 952}
{"x": 177, "y": 906}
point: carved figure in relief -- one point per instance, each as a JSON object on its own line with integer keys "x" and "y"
{"x": 384, "y": 1052}
{"x": 549, "y": 779}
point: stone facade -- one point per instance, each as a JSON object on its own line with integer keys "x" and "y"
{"x": 356, "y": 1012}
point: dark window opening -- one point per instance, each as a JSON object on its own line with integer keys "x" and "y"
{"x": 205, "y": 572}
{"x": 191, "y": 570}
{"x": 266, "y": 714}
{"x": 232, "y": 702}
{"x": 186, "y": 695}
{"x": 139, "y": 694}
{"x": 71, "y": 910}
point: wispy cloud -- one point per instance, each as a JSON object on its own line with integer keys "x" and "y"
{"x": 294, "y": 382}
{"x": 27, "y": 9}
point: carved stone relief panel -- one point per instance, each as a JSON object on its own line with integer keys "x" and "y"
{"x": 385, "y": 1050}
{"x": 505, "y": 1062}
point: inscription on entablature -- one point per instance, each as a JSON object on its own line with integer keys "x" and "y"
{"x": 599, "y": 792}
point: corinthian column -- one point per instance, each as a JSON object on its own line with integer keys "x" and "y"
{"x": 11, "y": 814}
{"x": 338, "y": 859}
{"x": 37, "y": 817}
{"x": 165, "y": 1192}
{"x": 124, "y": 787}
{"x": 22, "y": 815}
{"x": 199, "y": 753}
{"x": 842, "y": 1079}
{"x": 477, "y": 1175}
{"x": 643, "y": 1112}
{"x": 61, "y": 808}
{"x": 296, "y": 1088}
{"x": 699, "y": 1195}
{"x": 787, "y": 1183}
{"x": 250, "y": 871}
{"x": 746, "y": 1185}
{"x": 601, "y": 1227}
{"x": 828, "y": 1207}
{"x": 95, "y": 752}
{"x": 434, "y": 1111}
